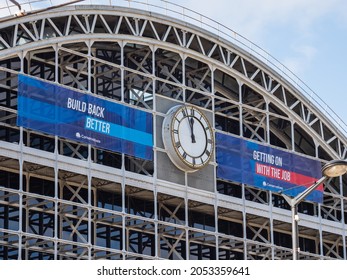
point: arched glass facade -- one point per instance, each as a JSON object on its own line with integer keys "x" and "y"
{"x": 61, "y": 199}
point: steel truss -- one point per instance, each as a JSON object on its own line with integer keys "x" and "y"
{"x": 65, "y": 200}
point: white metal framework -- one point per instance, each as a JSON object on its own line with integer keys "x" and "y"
{"x": 65, "y": 200}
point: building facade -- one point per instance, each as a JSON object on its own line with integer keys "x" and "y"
{"x": 65, "y": 199}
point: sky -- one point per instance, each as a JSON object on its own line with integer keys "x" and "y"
{"x": 308, "y": 36}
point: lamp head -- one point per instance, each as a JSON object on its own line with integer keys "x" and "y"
{"x": 335, "y": 168}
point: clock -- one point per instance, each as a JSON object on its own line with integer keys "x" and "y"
{"x": 188, "y": 137}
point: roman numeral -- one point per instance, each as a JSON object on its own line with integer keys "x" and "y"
{"x": 178, "y": 120}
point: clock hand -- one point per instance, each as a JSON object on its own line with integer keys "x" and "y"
{"x": 191, "y": 122}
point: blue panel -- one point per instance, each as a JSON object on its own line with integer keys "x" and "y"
{"x": 57, "y": 110}
{"x": 266, "y": 167}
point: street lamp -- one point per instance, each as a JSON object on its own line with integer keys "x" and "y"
{"x": 334, "y": 168}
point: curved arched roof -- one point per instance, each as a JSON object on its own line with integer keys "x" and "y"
{"x": 94, "y": 24}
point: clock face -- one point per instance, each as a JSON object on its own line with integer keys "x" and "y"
{"x": 188, "y": 137}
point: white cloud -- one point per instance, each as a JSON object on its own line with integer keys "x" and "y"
{"x": 287, "y": 29}
{"x": 252, "y": 18}
{"x": 300, "y": 59}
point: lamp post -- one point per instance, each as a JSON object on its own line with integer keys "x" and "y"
{"x": 334, "y": 168}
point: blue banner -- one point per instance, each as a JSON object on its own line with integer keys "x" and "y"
{"x": 266, "y": 168}
{"x": 57, "y": 110}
